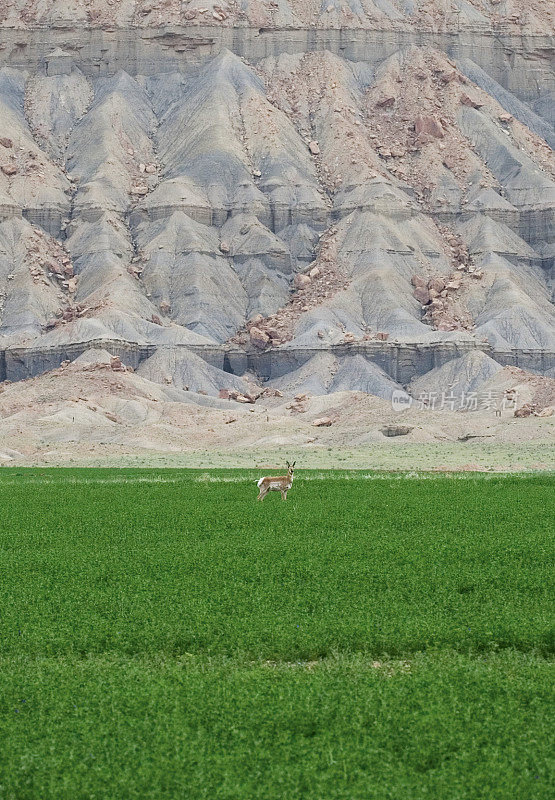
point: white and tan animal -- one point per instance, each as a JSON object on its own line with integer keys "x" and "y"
{"x": 276, "y": 483}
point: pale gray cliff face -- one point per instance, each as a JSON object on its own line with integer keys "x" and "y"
{"x": 375, "y": 189}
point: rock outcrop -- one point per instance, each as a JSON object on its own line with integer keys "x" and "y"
{"x": 254, "y": 181}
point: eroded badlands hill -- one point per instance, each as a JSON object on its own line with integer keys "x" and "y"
{"x": 262, "y": 185}
{"x": 528, "y": 16}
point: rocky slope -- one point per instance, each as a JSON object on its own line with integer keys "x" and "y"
{"x": 332, "y": 197}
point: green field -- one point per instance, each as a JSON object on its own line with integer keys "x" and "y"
{"x": 165, "y": 636}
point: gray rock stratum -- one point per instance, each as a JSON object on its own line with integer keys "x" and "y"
{"x": 326, "y": 196}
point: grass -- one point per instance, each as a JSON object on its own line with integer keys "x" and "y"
{"x": 391, "y": 454}
{"x": 163, "y": 635}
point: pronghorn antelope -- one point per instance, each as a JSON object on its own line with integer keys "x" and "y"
{"x": 276, "y": 483}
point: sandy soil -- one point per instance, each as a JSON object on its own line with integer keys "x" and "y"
{"x": 94, "y": 414}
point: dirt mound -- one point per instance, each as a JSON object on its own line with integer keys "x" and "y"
{"x": 460, "y": 378}
{"x": 185, "y": 370}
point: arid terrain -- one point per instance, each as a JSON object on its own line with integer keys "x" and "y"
{"x": 97, "y": 411}
{"x": 223, "y": 223}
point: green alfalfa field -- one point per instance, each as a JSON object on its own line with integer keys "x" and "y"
{"x": 163, "y": 635}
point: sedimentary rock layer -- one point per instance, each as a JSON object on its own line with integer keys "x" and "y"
{"x": 262, "y": 184}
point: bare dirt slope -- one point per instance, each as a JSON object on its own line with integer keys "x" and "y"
{"x": 96, "y": 409}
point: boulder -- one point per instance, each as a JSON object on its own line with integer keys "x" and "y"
{"x": 301, "y": 281}
{"x": 387, "y": 101}
{"x": 322, "y": 422}
{"x": 258, "y": 337}
{"x": 437, "y": 284}
{"x": 448, "y": 76}
{"x": 422, "y": 295}
{"x": 468, "y": 101}
{"x": 116, "y": 365}
{"x": 429, "y": 126}
{"x": 396, "y": 430}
